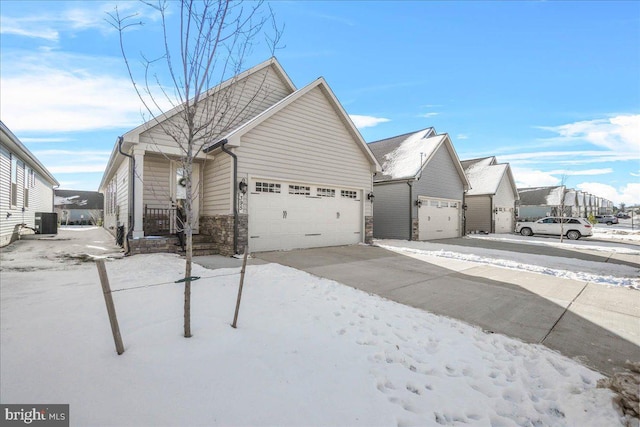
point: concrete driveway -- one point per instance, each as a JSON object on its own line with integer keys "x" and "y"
{"x": 595, "y": 324}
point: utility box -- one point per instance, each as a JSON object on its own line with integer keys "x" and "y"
{"x": 46, "y": 223}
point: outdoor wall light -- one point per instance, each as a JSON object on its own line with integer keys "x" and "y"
{"x": 495, "y": 211}
{"x": 8, "y": 214}
{"x": 464, "y": 206}
{"x": 419, "y": 203}
{"x": 370, "y": 197}
{"x": 243, "y": 186}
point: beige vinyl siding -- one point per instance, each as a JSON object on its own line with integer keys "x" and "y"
{"x": 504, "y": 197}
{"x": 157, "y": 179}
{"x": 120, "y": 215}
{"x": 479, "y": 214}
{"x": 307, "y": 142}
{"x": 40, "y": 198}
{"x": 217, "y": 185}
{"x": 271, "y": 88}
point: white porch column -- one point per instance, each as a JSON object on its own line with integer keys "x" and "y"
{"x": 138, "y": 185}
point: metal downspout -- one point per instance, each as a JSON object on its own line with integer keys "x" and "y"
{"x": 410, "y": 184}
{"x": 132, "y": 203}
{"x": 235, "y": 196}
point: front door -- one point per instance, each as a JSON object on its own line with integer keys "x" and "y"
{"x": 180, "y": 188}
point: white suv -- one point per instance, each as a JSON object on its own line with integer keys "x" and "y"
{"x": 573, "y": 228}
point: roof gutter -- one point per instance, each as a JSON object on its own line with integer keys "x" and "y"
{"x": 235, "y": 191}
{"x": 410, "y": 184}
{"x": 132, "y": 203}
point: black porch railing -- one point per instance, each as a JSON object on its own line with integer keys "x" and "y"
{"x": 159, "y": 221}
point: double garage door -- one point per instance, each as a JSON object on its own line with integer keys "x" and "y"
{"x": 289, "y": 215}
{"x": 438, "y": 218}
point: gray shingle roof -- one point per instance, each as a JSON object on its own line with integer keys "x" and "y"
{"x": 540, "y": 196}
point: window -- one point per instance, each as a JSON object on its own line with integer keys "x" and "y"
{"x": 349, "y": 194}
{"x": 14, "y": 181}
{"x": 267, "y": 187}
{"x": 434, "y": 203}
{"x": 326, "y": 192}
{"x": 453, "y": 205}
{"x": 300, "y": 190}
{"x": 26, "y": 178}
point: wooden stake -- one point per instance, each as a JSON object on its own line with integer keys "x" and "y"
{"x": 244, "y": 266}
{"x": 111, "y": 309}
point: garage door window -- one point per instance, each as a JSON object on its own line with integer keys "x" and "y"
{"x": 300, "y": 190}
{"x": 326, "y": 192}
{"x": 434, "y": 203}
{"x": 349, "y": 194}
{"x": 267, "y": 187}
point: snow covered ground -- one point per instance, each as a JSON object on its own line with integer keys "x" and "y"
{"x": 307, "y": 351}
{"x": 595, "y": 272}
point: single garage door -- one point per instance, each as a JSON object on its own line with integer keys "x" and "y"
{"x": 504, "y": 220}
{"x": 288, "y": 215}
{"x": 438, "y": 219}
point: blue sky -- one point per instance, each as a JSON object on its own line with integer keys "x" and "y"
{"x": 553, "y": 88}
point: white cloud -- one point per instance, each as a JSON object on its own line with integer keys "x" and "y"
{"x": 56, "y": 91}
{"x": 569, "y": 157}
{"x": 73, "y": 161}
{"x": 18, "y": 28}
{"x": 48, "y": 25}
{"x": 526, "y": 177}
{"x": 621, "y": 132}
{"x": 462, "y": 136}
{"x": 603, "y": 171}
{"x": 366, "y": 121}
{"x": 81, "y": 168}
{"x": 629, "y": 194}
{"x": 429, "y": 115}
{"x": 40, "y": 140}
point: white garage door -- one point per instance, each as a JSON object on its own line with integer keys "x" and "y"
{"x": 284, "y": 215}
{"x": 438, "y": 219}
{"x": 504, "y": 220}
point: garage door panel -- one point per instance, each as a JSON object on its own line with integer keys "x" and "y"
{"x": 504, "y": 221}
{"x": 312, "y": 216}
{"x": 438, "y": 219}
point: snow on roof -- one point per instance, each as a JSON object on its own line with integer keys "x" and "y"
{"x": 407, "y": 160}
{"x": 484, "y": 177}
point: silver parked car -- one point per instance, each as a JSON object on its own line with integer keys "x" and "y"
{"x": 573, "y": 228}
{"x": 606, "y": 219}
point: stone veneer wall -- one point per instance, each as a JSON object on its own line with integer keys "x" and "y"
{"x": 368, "y": 230}
{"x": 415, "y": 230}
{"x": 220, "y": 228}
{"x": 153, "y": 245}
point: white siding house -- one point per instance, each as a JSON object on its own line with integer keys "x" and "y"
{"x": 419, "y": 192}
{"x": 491, "y": 200}
{"x": 293, "y": 172}
{"x": 26, "y": 187}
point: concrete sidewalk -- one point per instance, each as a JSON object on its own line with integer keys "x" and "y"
{"x": 595, "y": 324}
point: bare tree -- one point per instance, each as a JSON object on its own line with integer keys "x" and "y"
{"x": 206, "y": 47}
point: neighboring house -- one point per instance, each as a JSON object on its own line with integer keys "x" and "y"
{"x": 26, "y": 187}
{"x": 292, "y": 173}
{"x": 79, "y": 207}
{"x": 538, "y": 202}
{"x": 491, "y": 200}
{"x": 571, "y": 203}
{"x": 419, "y": 192}
{"x": 581, "y": 207}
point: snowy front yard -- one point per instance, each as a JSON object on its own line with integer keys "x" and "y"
{"x": 307, "y": 352}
